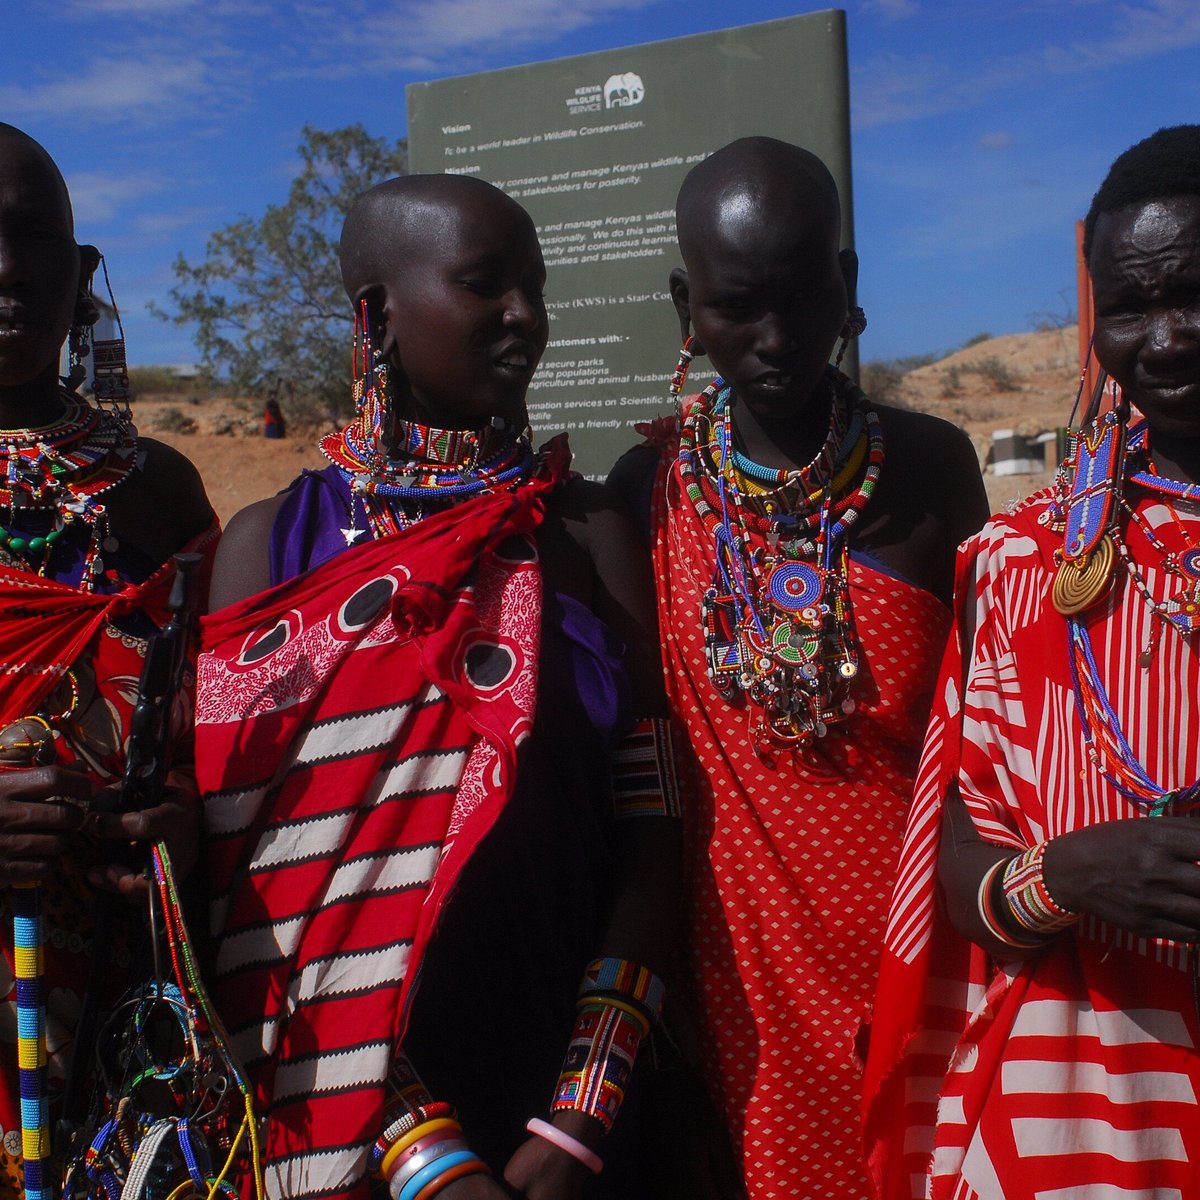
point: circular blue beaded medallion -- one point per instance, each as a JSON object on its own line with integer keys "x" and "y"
{"x": 1189, "y": 561}
{"x": 795, "y": 586}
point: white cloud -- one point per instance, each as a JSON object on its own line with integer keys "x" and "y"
{"x": 97, "y": 198}
{"x": 111, "y": 89}
{"x": 997, "y": 139}
{"x": 892, "y": 88}
{"x": 891, "y": 10}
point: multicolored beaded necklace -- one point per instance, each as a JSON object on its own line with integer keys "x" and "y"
{"x": 778, "y": 622}
{"x": 1089, "y": 496}
{"x": 424, "y": 468}
{"x": 61, "y": 469}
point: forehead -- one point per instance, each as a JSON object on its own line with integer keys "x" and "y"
{"x": 30, "y": 182}
{"x": 749, "y": 241}
{"x": 1151, "y": 234}
{"x": 473, "y": 226}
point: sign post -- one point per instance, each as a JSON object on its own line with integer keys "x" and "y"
{"x": 595, "y": 148}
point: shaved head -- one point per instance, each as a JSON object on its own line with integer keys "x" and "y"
{"x": 398, "y": 217}
{"x": 751, "y": 180}
{"x": 16, "y": 146}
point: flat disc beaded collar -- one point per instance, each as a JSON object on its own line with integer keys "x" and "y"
{"x": 778, "y": 622}
{"x": 402, "y": 470}
{"x": 62, "y": 469}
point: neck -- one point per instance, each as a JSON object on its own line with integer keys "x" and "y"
{"x": 786, "y": 443}
{"x": 31, "y": 404}
{"x": 1176, "y": 457}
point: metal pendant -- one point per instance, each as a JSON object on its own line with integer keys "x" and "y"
{"x": 1080, "y": 582}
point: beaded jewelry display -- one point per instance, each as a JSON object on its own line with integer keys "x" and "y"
{"x": 62, "y": 470}
{"x": 400, "y": 470}
{"x": 1029, "y": 900}
{"x": 779, "y": 627}
{"x": 644, "y": 779}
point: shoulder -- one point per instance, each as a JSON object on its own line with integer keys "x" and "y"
{"x": 918, "y": 438}
{"x": 242, "y": 566}
{"x": 171, "y": 477}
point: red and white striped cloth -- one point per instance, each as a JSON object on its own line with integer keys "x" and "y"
{"x": 357, "y": 731}
{"x": 1072, "y": 1076}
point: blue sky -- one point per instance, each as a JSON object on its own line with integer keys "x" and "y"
{"x": 980, "y": 130}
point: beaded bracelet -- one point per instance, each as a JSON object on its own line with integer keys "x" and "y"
{"x": 1029, "y": 900}
{"x": 644, "y": 781}
{"x": 619, "y": 979}
{"x": 403, "y": 1124}
{"x": 599, "y": 1062}
{"x": 987, "y": 912}
{"x": 443, "y": 1126}
{"x": 565, "y": 1142}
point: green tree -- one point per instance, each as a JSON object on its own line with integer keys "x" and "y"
{"x": 267, "y": 299}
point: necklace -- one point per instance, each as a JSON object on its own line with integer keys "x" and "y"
{"x": 778, "y": 620}
{"x": 428, "y": 469}
{"x": 61, "y": 469}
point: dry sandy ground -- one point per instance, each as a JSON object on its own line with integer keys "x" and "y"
{"x": 240, "y": 466}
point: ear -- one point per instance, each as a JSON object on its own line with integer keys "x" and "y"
{"x": 679, "y": 288}
{"x": 848, "y": 261}
{"x": 378, "y": 322}
{"x": 86, "y": 312}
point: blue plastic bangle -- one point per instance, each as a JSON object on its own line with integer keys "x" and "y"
{"x": 431, "y": 1172}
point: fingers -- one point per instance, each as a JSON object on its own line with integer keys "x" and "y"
{"x": 120, "y": 880}
{"x": 46, "y": 783}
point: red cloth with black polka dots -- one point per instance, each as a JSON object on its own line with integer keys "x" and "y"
{"x": 791, "y": 866}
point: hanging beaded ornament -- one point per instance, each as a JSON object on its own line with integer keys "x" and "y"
{"x": 401, "y": 470}
{"x": 778, "y": 621}
{"x": 62, "y": 469}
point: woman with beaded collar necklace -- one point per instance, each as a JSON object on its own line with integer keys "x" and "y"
{"x": 803, "y": 542}
{"x": 89, "y": 513}
{"x": 1048, "y": 945}
{"x": 408, "y": 718}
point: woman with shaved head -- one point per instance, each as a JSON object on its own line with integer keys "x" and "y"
{"x": 804, "y": 545}
{"x": 89, "y": 513}
{"x": 440, "y": 934}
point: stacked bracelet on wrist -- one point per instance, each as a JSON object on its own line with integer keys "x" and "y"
{"x": 1018, "y": 884}
{"x": 1029, "y": 900}
{"x": 421, "y": 1149}
{"x": 619, "y": 1003}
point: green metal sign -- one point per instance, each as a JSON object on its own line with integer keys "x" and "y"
{"x": 595, "y": 148}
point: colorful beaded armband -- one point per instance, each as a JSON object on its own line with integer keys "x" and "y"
{"x": 987, "y": 911}
{"x": 1029, "y": 901}
{"x": 643, "y": 772}
{"x": 619, "y": 1003}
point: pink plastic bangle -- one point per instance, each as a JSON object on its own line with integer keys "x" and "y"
{"x": 565, "y": 1142}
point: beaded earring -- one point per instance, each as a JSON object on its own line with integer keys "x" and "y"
{"x": 855, "y": 326}
{"x": 679, "y": 376}
{"x": 110, "y": 367}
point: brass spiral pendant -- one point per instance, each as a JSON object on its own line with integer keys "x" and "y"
{"x": 1079, "y": 584}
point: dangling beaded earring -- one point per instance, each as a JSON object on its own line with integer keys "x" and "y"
{"x": 679, "y": 378}
{"x": 110, "y": 368}
{"x": 372, "y": 392}
{"x": 856, "y": 324}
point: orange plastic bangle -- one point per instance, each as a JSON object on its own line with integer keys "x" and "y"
{"x": 478, "y": 1167}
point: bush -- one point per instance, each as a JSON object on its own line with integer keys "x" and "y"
{"x": 996, "y": 373}
{"x": 162, "y": 381}
{"x": 173, "y": 420}
{"x": 883, "y": 381}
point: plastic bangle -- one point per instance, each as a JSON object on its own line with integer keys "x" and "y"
{"x": 413, "y": 1164}
{"x": 478, "y": 1167}
{"x": 412, "y": 1189}
{"x": 566, "y": 1143}
{"x": 398, "y": 1148}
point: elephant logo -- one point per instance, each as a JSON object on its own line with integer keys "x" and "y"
{"x": 624, "y": 91}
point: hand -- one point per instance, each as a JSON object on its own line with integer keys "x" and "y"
{"x": 539, "y": 1170}
{"x": 41, "y": 809}
{"x": 1139, "y": 874}
{"x": 175, "y": 821}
